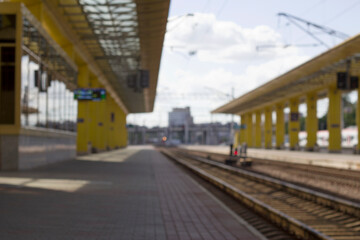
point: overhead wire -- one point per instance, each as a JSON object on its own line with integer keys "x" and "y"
{"x": 220, "y": 9}
{"x": 307, "y": 11}
{"x": 334, "y": 17}
{"x": 351, "y": 7}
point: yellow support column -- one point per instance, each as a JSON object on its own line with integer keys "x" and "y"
{"x": 311, "y": 121}
{"x": 236, "y": 139}
{"x": 294, "y": 124}
{"x": 10, "y": 96}
{"x": 10, "y": 108}
{"x": 121, "y": 128}
{"x": 112, "y": 116}
{"x": 268, "y": 128}
{"x": 258, "y": 129}
{"x": 116, "y": 127}
{"x": 243, "y": 130}
{"x": 280, "y": 125}
{"x": 94, "y": 108}
{"x": 333, "y": 119}
{"x": 239, "y": 137}
{"x": 106, "y": 122}
{"x": 100, "y": 129}
{"x": 358, "y": 121}
{"x": 83, "y": 138}
{"x": 249, "y": 126}
{"x": 123, "y": 133}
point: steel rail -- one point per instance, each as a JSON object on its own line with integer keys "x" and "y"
{"x": 280, "y": 218}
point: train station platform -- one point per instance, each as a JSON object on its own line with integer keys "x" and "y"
{"x": 335, "y": 160}
{"x": 133, "y": 193}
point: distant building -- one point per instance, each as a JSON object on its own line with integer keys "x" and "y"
{"x": 205, "y": 133}
{"x": 180, "y": 117}
{"x": 181, "y": 130}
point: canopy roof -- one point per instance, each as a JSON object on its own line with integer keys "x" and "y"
{"x": 122, "y": 36}
{"x": 314, "y": 75}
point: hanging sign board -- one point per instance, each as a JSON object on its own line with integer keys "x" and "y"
{"x": 90, "y": 94}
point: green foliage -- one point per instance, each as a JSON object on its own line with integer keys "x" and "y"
{"x": 349, "y": 111}
{"x": 302, "y": 123}
{"x": 322, "y": 122}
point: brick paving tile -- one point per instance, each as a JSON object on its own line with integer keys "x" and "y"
{"x": 129, "y": 194}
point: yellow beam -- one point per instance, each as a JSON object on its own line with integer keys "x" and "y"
{"x": 280, "y": 125}
{"x": 311, "y": 120}
{"x": 249, "y": 126}
{"x": 333, "y": 120}
{"x": 294, "y": 123}
{"x": 258, "y": 129}
{"x": 268, "y": 128}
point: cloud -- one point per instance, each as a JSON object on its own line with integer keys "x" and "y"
{"x": 256, "y": 75}
{"x": 226, "y": 57}
{"x": 224, "y": 41}
{"x": 205, "y": 92}
{"x": 219, "y": 81}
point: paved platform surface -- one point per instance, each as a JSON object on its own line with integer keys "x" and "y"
{"x": 335, "y": 160}
{"x": 134, "y": 193}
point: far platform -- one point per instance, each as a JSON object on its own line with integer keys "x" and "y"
{"x": 335, "y": 160}
{"x": 133, "y": 193}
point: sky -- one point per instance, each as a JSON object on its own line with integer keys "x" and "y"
{"x": 215, "y": 50}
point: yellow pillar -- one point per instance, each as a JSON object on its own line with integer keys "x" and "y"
{"x": 239, "y": 137}
{"x": 107, "y": 122}
{"x": 358, "y": 120}
{"x": 123, "y": 133}
{"x": 280, "y": 125}
{"x": 268, "y": 128}
{"x": 243, "y": 135}
{"x": 94, "y": 108}
{"x": 112, "y": 116}
{"x": 100, "y": 129}
{"x": 249, "y": 127}
{"x": 83, "y": 138}
{"x": 236, "y": 139}
{"x": 333, "y": 119}
{"x": 258, "y": 129}
{"x": 10, "y": 108}
{"x": 294, "y": 124}
{"x": 116, "y": 127}
{"x": 122, "y": 129}
{"x": 311, "y": 121}
{"x": 10, "y": 96}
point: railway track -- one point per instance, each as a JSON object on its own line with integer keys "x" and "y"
{"x": 301, "y": 212}
{"x": 341, "y": 182}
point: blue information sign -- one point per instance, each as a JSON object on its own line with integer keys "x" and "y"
{"x": 92, "y": 94}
